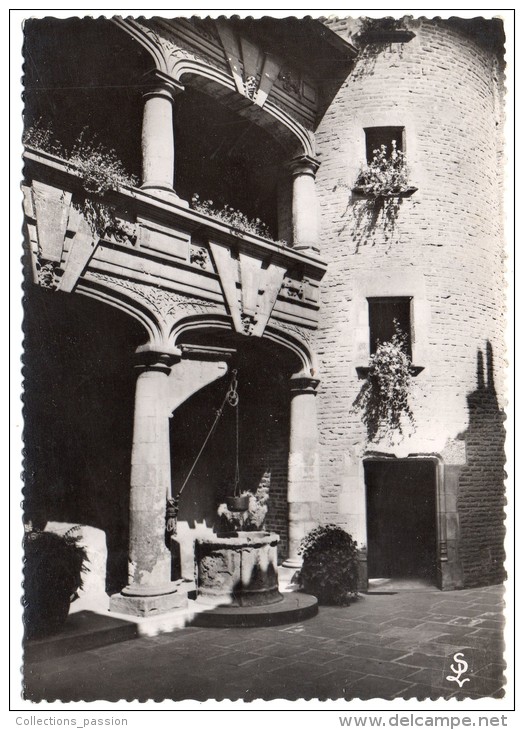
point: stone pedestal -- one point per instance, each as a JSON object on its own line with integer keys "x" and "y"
{"x": 240, "y": 569}
{"x": 148, "y": 600}
{"x": 303, "y": 469}
{"x": 305, "y": 206}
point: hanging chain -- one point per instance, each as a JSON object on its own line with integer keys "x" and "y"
{"x": 236, "y": 490}
{"x": 232, "y": 399}
{"x": 172, "y": 503}
{"x": 232, "y": 393}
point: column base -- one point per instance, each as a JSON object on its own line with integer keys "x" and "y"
{"x": 295, "y": 563}
{"x": 165, "y": 193}
{"x": 313, "y": 250}
{"x": 145, "y": 601}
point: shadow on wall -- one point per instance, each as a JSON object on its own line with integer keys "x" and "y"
{"x": 373, "y": 220}
{"x": 481, "y": 497}
{"x": 78, "y": 417}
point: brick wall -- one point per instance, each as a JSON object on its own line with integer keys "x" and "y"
{"x": 445, "y": 249}
{"x": 265, "y": 459}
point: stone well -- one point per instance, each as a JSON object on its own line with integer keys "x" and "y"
{"x": 240, "y": 567}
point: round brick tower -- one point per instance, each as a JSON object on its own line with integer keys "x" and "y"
{"x": 428, "y": 503}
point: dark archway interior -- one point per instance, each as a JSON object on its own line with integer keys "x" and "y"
{"x": 85, "y": 72}
{"x": 88, "y": 73}
{"x": 263, "y": 387}
{"x": 225, "y": 158}
{"x": 79, "y": 386}
{"x": 401, "y": 518}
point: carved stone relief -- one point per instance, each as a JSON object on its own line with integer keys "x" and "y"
{"x": 290, "y": 81}
{"x": 293, "y": 288}
{"x": 249, "y": 289}
{"x": 121, "y": 231}
{"x": 172, "y": 46}
{"x": 167, "y": 305}
{"x": 46, "y": 272}
{"x": 301, "y": 333}
{"x": 199, "y": 255}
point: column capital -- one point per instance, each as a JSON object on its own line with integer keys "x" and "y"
{"x": 302, "y": 383}
{"x": 149, "y": 358}
{"x": 161, "y": 84}
{"x": 303, "y": 165}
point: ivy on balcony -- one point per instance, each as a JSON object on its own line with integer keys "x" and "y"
{"x": 233, "y": 218}
{"x": 98, "y": 167}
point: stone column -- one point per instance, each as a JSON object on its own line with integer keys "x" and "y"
{"x": 150, "y": 588}
{"x": 305, "y": 207}
{"x": 158, "y": 137}
{"x": 303, "y": 492}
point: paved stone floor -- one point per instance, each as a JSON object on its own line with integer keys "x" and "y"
{"x": 381, "y": 646}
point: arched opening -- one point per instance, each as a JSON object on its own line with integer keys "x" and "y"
{"x": 79, "y": 385}
{"x": 263, "y": 371}
{"x": 86, "y": 72}
{"x": 90, "y": 74}
{"x": 226, "y": 158}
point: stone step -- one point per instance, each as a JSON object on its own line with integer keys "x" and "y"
{"x": 293, "y": 608}
{"x": 83, "y": 630}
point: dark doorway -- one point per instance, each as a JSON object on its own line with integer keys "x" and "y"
{"x": 401, "y": 519}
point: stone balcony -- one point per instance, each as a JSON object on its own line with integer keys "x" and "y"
{"x": 161, "y": 261}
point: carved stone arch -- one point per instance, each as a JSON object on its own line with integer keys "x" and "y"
{"x": 299, "y": 348}
{"x": 127, "y": 305}
{"x": 198, "y": 321}
{"x": 218, "y": 84}
{"x": 147, "y": 38}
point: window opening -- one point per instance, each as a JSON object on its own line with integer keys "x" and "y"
{"x": 384, "y": 312}
{"x": 377, "y": 136}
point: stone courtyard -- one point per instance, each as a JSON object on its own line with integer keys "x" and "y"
{"x": 181, "y": 354}
{"x": 382, "y": 646}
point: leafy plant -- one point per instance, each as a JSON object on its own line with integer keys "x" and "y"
{"x": 384, "y": 25}
{"x": 53, "y": 567}
{"x": 99, "y": 168}
{"x": 252, "y": 519}
{"x": 330, "y": 565}
{"x": 41, "y": 137}
{"x": 234, "y": 218}
{"x": 384, "y": 398}
{"x": 386, "y": 174}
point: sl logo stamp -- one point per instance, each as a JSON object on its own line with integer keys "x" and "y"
{"x": 459, "y": 670}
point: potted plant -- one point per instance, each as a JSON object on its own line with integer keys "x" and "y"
{"x": 384, "y": 397}
{"x": 248, "y": 513}
{"x": 330, "y": 566}
{"x": 53, "y": 567}
{"x": 383, "y": 31}
{"x": 238, "y": 503}
{"x": 385, "y": 176}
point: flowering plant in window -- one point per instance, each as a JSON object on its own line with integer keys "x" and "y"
{"x": 384, "y": 398}
{"x": 385, "y": 175}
